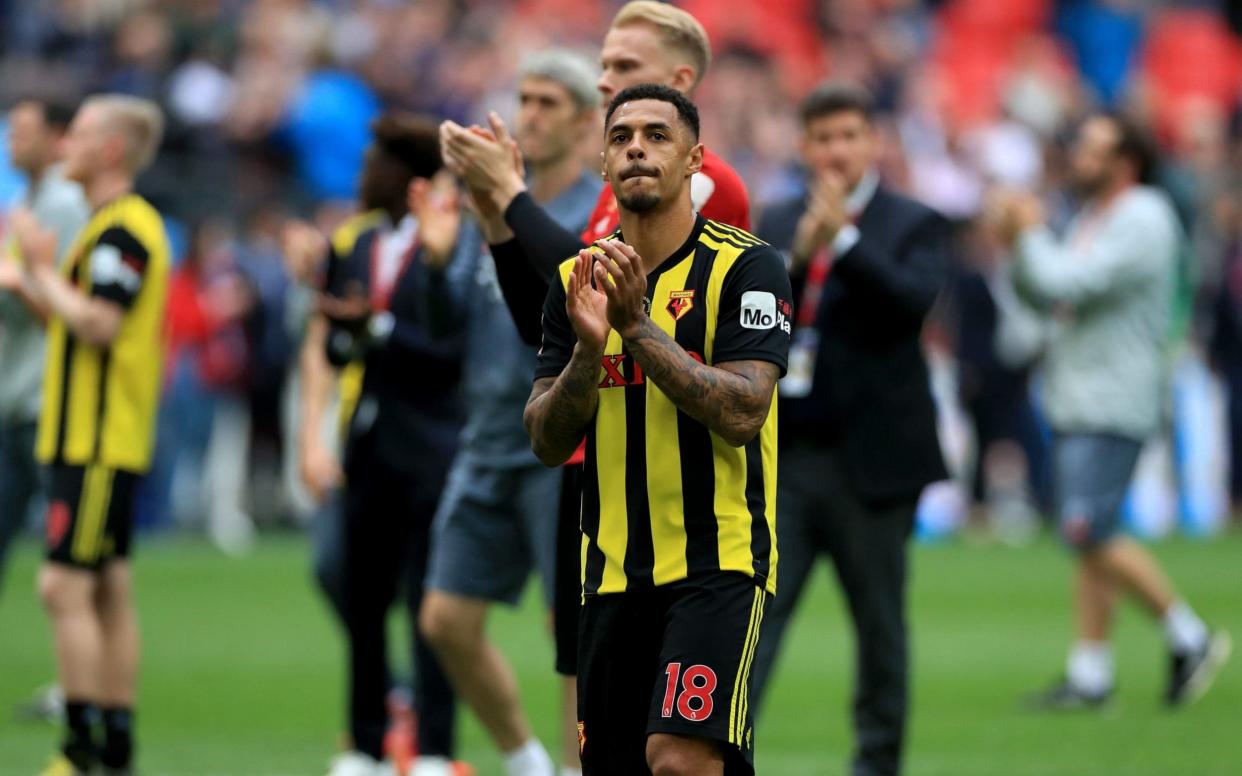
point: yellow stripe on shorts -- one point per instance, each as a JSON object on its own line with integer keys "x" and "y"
{"x": 81, "y": 548}
{"x": 92, "y": 513}
{"x": 739, "y": 683}
{"x": 105, "y": 504}
{"x": 745, "y": 706}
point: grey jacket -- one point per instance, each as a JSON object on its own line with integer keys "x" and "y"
{"x": 499, "y": 368}
{"x": 60, "y": 206}
{"x": 1107, "y": 289}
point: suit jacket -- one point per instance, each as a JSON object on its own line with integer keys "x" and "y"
{"x": 871, "y": 398}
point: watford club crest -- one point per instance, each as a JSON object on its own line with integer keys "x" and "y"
{"x": 680, "y": 303}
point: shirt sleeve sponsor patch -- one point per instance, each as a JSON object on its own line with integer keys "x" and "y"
{"x": 758, "y": 310}
{"x": 117, "y": 265}
{"x": 109, "y": 267}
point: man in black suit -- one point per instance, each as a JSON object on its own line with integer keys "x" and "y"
{"x": 858, "y": 427}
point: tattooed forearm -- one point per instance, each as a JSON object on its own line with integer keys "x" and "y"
{"x": 732, "y": 399}
{"x": 559, "y": 408}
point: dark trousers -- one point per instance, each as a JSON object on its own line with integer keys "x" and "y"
{"x": 818, "y": 514}
{"x": 327, "y": 529}
{"x": 567, "y": 601}
{"x": 387, "y": 531}
{"x": 19, "y": 482}
{"x": 1233, "y": 378}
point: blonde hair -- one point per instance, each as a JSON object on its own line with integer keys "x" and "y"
{"x": 679, "y": 29}
{"x": 140, "y": 122}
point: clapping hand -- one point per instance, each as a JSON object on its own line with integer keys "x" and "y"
{"x": 37, "y": 244}
{"x": 1009, "y": 213}
{"x": 586, "y": 305}
{"x": 825, "y": 215}
{"x": 620, "y": 273}
{"x": 488, "y": 161}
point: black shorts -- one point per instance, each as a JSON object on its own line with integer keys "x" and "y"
{"x": 674, "y": 659}
{"x": 90, "y": 514}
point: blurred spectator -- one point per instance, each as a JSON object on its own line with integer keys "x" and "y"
{"x": 858, "y": 437}
{"x": 1105, "y": 291}
{"x": 35, "y": 130}
{"x": 1008, "y": 476}
{"x": 218, "y": 378}
{"x": 1226, "y": 338}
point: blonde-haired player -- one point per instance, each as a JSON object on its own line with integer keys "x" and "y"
{"x": 101, "y": 386}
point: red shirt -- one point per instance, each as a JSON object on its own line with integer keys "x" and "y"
{"x": 717, "y": 192}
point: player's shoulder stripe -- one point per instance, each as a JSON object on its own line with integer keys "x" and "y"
{"x": 722, "y": 238}
{"x": 739, "y": 234}
{"x": 347, "y": 234}
{"x": 719, "y": 235}
{"x": 718, "y": 242}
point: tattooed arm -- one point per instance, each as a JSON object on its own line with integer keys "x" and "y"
{"x": 559, "y": 408}
{"x": 731, "y": 399}
{"x": 561, "y": 405}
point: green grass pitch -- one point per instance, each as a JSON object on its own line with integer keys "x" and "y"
{"x": 243, "y": 669}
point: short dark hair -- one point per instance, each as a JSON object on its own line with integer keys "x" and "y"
{"x": 1135, "y": 143}
{"x": 411, "y": 139}
{"x": 57, "y": 112}
{"x": 837, "y": 97}
{"x": 685, "y": 109}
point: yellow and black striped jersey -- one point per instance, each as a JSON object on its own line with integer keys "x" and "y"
{"x": 663, "y": 496}
{"x": 100, "y": 403}
{"x": 344, "y": 241}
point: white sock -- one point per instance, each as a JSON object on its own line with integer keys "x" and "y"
{"x": 432, "y": 765}
{"x": 1183, "y": 629}
{"x": 529, "y": 759}
{"x": 567, "y": 771}
{"x": 1090, "y": 666}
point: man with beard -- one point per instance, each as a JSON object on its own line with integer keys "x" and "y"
{"x": 647, "y": 42}
{"x": 662, "y": 346}
{"x": 1106, "y": 290}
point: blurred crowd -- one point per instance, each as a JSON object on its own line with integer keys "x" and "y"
{"x": 269, "y": 101}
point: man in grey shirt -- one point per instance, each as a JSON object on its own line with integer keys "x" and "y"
{"x": 35, "y": 129}
{"x": 1105, "y": 291}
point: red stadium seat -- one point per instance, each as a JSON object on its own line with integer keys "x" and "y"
{"x": 1190, "y": 55}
